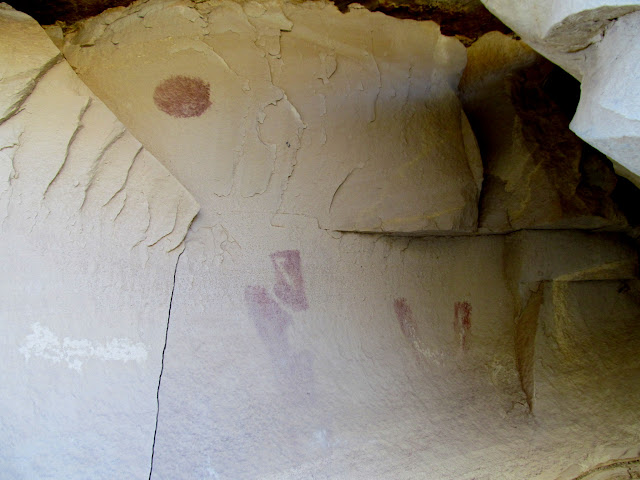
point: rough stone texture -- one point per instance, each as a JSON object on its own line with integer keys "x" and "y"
{"x": 597, "y": 42}
{"x": 537, "y": 173}
{"x": 92, "y": 226}
{"x": 620, "y": 469}
{"x": 22, "y": 63}
{"x": 466, "y": 19}
{"x": 547, "y": 323}
{"x": 294, "y": 351}
{"x": 68, "y": 11}
{"x": 363, "y": 101}
{"x": 608, "y": 116}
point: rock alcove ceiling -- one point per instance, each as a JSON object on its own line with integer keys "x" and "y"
{"x": 467, "y": 18}
{"x": 290, "y": 240}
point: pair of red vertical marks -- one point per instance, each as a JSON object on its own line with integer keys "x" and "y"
{"x": 461, "y": 320}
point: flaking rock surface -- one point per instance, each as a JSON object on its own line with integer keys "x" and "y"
{"x": 92, "y": 225}
{"x": 292, "y": 351}
{"x": 537, "y": 173}
{"x": 353, "y": 118}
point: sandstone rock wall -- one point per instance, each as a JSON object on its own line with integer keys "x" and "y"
{"x": 537, "y": 173}
{"x": 597, "y": 42}
{"x": 92, "y": 227}
{"x": 352, "y": 120}
{"x": 283, "y": 334}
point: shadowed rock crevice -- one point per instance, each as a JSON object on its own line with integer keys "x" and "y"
{"x": 68, "y": 11}
{"x": 537, "y": 172}
{"x": 467, "y": 20}
{"x": 545, "y": 98}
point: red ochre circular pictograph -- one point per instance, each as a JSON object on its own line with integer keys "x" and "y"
{"x": 182, "y": 97}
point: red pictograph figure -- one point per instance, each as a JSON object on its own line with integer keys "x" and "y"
{"x": 462, "y": 322}
{"x": 405, "y": 317}
{"x": 182, "y": 97}
{"x": 272, "y": 319}
{"x": 289, "y": 286}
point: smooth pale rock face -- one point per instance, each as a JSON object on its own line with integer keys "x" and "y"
{"x": 353, "y": 118}
{"x": 368, "y": 357}
{"x": 395, "y": 153}
{"x": 22, "y": 63}
{"x": 576, "y": 318}
{"x": 562, "y": 30}
{"x": 92, "y": 226}
{"x": 597, "y": 42}
{"x": 608, "y": 116}
{"x": 292, "y": 352}
{"x": 538, "y": 174}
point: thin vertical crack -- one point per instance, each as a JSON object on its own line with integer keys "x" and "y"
{"x": 164, "y": 349}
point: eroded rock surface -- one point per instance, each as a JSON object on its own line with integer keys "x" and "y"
{"x": 353, "y": 118}
{"x": 466, "y": 19}
{"x": 537, "y": 173}
{"x": 295, "y": 351}
{"x": 92, "y": 226}
{"x": 597, "y": 42}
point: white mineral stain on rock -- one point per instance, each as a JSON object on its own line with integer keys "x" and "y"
{"x": 45, "y": 344}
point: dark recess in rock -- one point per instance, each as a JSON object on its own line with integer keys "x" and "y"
{"x": 547, "y": 99}
{"x": 627, "y": 196}
{"x": 467, "y": 20}
{"x": 563, "y": 89}
{"x": 68, "y": 11}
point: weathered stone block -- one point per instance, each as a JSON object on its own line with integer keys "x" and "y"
{"x": 351, "y": 119}
{"x": 538, "y": 174}
{"x": 92, "y": 226}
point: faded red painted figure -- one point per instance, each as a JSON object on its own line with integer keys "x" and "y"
{"x": 289, "y": 287}
{"x": 405, "y": 317}
{"x": 270, "y": 319}
{"x": 462, "y": 322}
